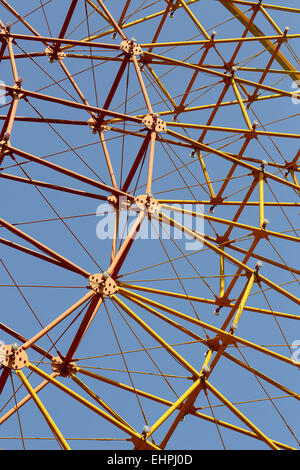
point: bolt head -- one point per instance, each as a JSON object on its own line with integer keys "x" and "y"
{"x": 146, "y": 429}
{"x": 15, "y": 346}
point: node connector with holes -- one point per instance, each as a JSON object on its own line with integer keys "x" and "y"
{"x": 54, "y": 54}
{"x": 13, "y": 357}
{"x": 65, "y": 369}
{"x": 131, "y": 47}
{"x": 97, "y": 126}
{"x": 147, "y": 203}
{"x": 103, "y": 284}
{"x": 154, "y": 123}
{"x": 121, "y": 203}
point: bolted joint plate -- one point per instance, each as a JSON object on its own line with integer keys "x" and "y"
{"x": 154, "y": 123}
{"x": 53, "y": 55}
{"x": 102, "y": 285}
{"x": 130, "y": 47}
{"x": 12, "y": 359}
{"x": 97, "y": 126}
{"x": 62, "y": 368}
{"x": 3, "y": 149}
{"x": 147, "y": 204}
{"x": 119, "y": 203}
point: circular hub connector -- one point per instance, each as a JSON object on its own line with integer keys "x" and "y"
{"x": 147, "y": 203}
{"x": 12, "y": 358}
{"x": 131, "y": 47}
{"x": 154, "y": 123}
{"x": 102, "y": 284}
{"x": 62, "y": 368}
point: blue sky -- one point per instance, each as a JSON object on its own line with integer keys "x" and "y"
{"x": 114, "y": 341}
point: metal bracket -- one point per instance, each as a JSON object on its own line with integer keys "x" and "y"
{"x": 13, "y": 358}
{"x": 213, "y": 343}
{"x": 103, "y": 283}
{"x": 3, "y": 150}
{"x": 154, "y": 123}
{"x": 131, "y": 47}
{"x": 147, "y": 203}
{"x": 62, "y": 368}
{"x": 120, "y": 203}
{"x": 223, "y": 301}
{"x": 54, "y": 55}
{"x": 96, "y": 126}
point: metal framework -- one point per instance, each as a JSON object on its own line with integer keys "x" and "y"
{"x": 180, "y": 118}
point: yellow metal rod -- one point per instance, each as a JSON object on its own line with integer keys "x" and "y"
{"x": 99, "y": 400}
{"x": 239, "y": 98}
{"x": 194, "y": 19}
{"x": 261, "y": 199}
{"x": 227, "y": 156}
{"x": 206, "y": 176}
{"x": 194, "y": 298}
{"x": 154, "y": 335}
{"x": 164, "y": 318}
{"x": 260, "y": 38}
{"x": 233, "y": 223}
{"x": 169, "y": 403}
{"x": 241, "y": 416}
{"x": 172, "y": 408}
{"x": 234, "y": 130}
{"x": 227, "y": 203}
{"x": 244, "y": 300}
{"x": 269, "y": 46}
{"x": 222, "y": 280}
{"x": 128, "y": 25}
{"x": 56, "y": 432}
{"x": 200, "y": 237}
{"x": 220, "y": 333}
{"x": 265, "y": 5}
{"x": 89, "y": 405}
